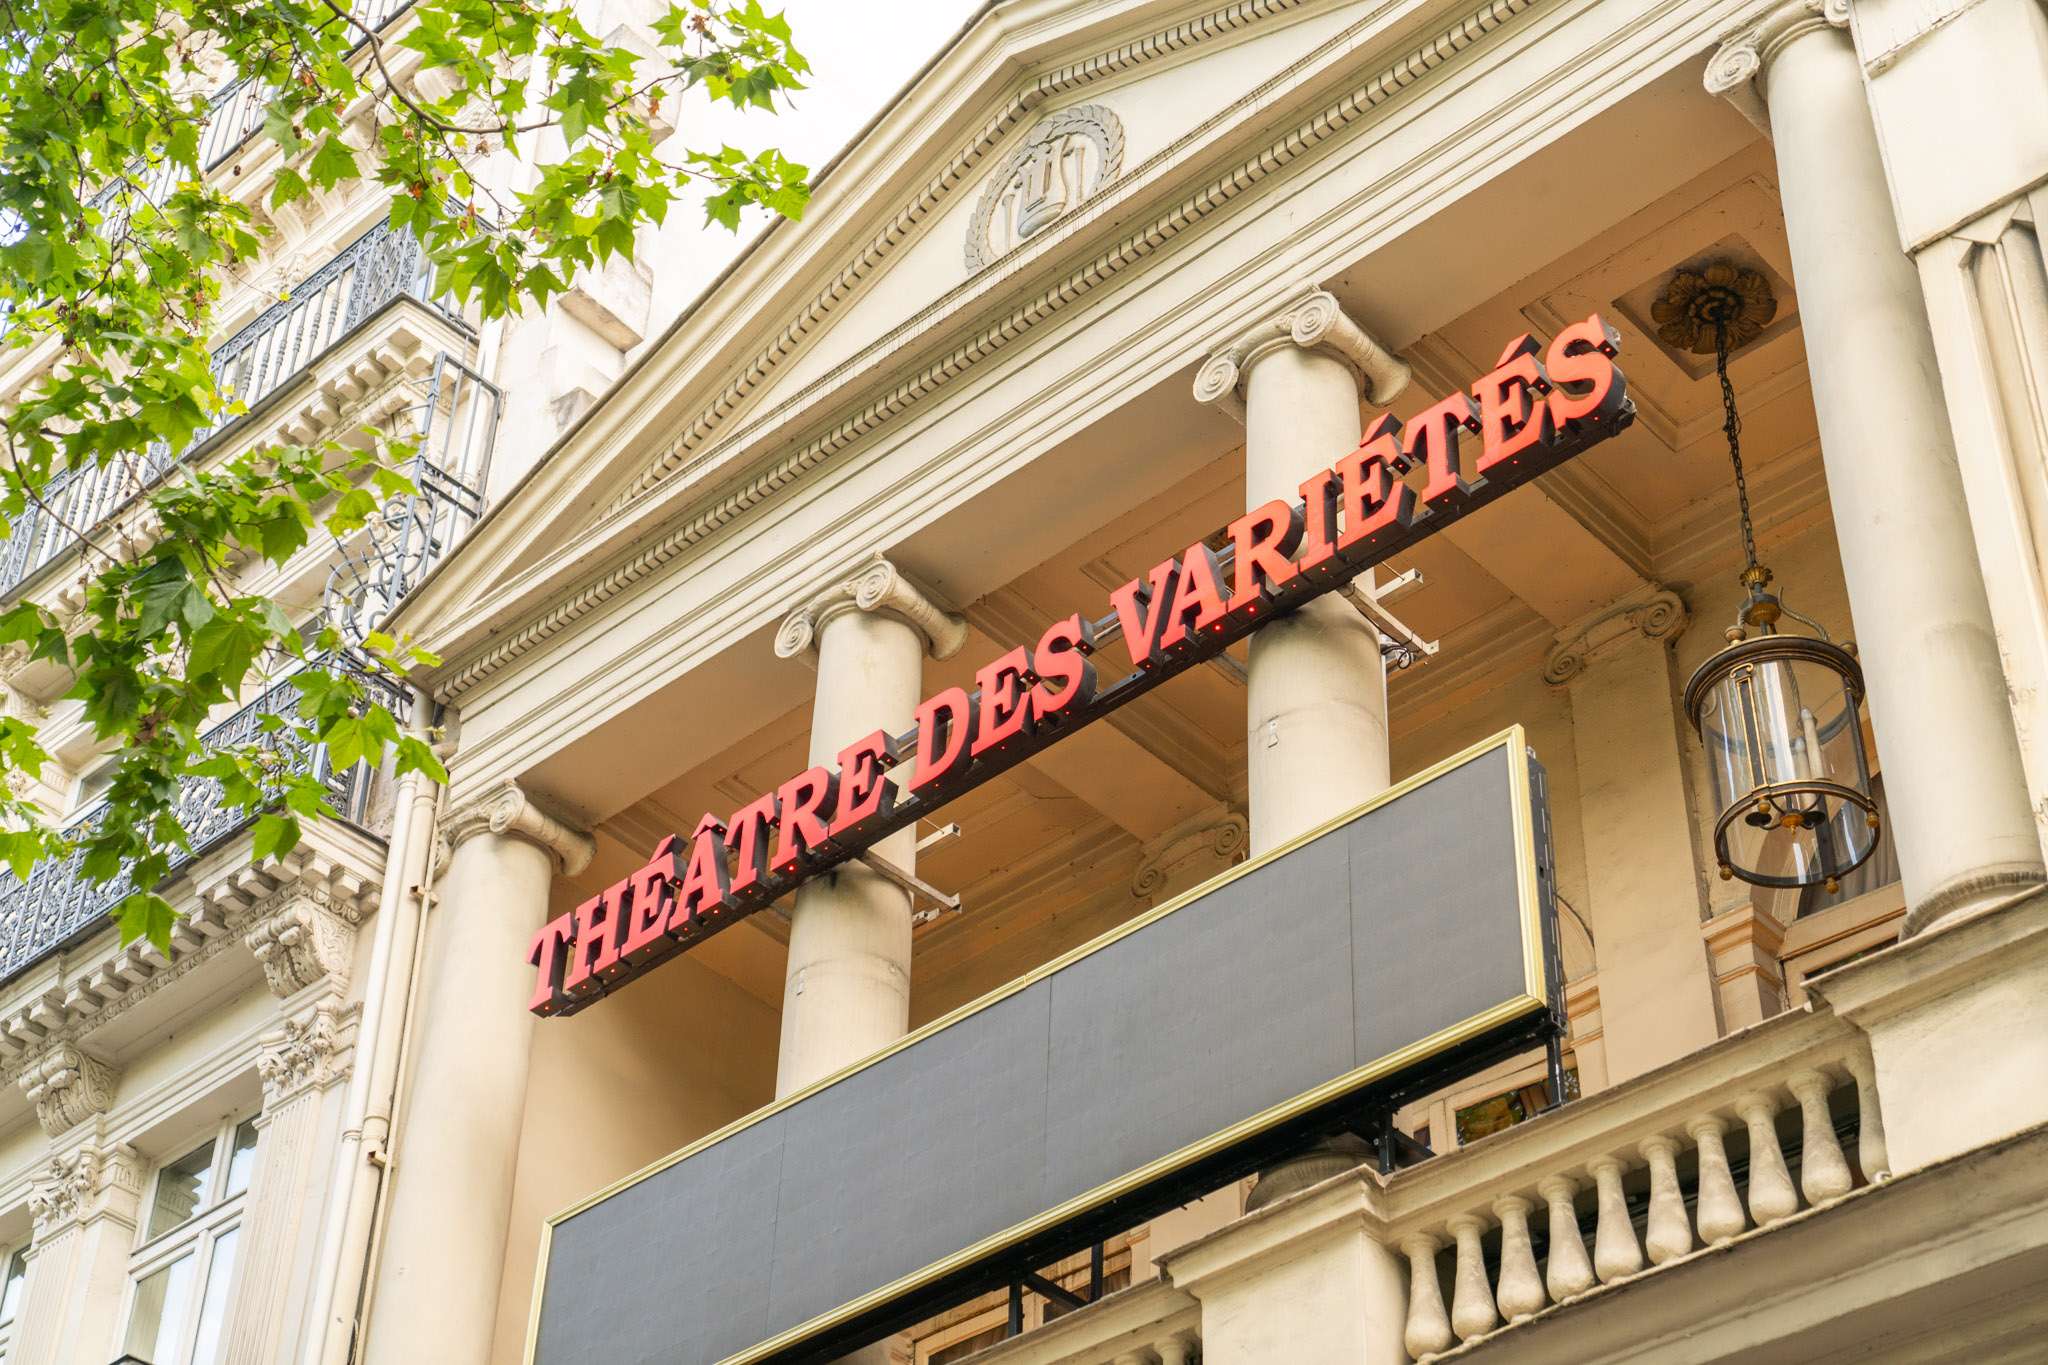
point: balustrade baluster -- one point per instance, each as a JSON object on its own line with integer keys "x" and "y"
{"x": 1615, "y": 1250}
{"x": 1428, "y": 1329}
{"x": 1568, "y": 1271}
{"x": 1520, "y": 1293}
{"x": 1718, "y": 1209}
{"x": 1472, "y": 1311}
{"x": 1870, "y": 1149}
{"x": 1174, "y": 1350}
{"x": 1669, "y": 1234}
{"x": 1771, "y": 1195}
{"x": 1823, "y": 1170}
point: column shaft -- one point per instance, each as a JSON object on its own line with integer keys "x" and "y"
{"x": 443, "y": 1253}
{"x": 847, "y": 991}
{"x": 1643, "y": 890}
{"x": 1953, "y": 781}
{"x": 1316, "y": 700}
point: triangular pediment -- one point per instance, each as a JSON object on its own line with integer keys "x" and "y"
{"x": 1044, "y": 141}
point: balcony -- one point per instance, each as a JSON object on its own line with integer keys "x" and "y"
{"x": 58, "y": 905}
{"x": 256, "y": 365}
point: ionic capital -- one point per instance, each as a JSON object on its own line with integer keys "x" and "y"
{"x": 505, "y": 810}
{"x": 1649, "y": 613}
{"x": 1311, "y": 320}
{"x": 1736, "y": 71}
{"x": 67, "y": 1086}
{"x": 876, "y": 586}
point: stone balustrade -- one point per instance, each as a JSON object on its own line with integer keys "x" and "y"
{"x": 1604, "y": 1203}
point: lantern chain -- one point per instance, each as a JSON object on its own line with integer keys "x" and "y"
{"x": 1732, "y": 424}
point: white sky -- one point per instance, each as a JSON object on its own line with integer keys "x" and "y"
{"x": 860, "y": 56}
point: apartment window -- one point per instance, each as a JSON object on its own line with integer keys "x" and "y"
{"x": 179, "y": 1276}
{"x": 16, "y": 1261}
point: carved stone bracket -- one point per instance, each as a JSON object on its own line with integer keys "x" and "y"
{"x": 1736, "y": 71}
{"x": 74, "y": 1188}
{"x": 67, "y": 1085}
{"x": 1651, "y": 613}
{"x": 309, "y": 1051}
{"x": 302, "y": 937}
{"x": 505, "y": 809}
{"x": 1313, "y": 320}
{"x": 877, "y": 585}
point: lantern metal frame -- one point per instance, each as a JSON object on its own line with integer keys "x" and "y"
{"x": 1766, "y": 802}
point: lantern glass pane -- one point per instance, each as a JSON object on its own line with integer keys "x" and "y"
{"x": 1781, "y": 736}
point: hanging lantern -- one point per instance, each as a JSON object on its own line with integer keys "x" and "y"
{"x": 1779, "y": 714}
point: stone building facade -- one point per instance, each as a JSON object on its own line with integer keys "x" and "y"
{"x": 1101, "y": 278}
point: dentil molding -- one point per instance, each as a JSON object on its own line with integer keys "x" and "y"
{"x": 506, "y": 809}
{"x": 1311, "y": 320}
{"x": 67, "y": 1085}
{"x": 876, "y": 586}
{"x": 1649, "y": 613}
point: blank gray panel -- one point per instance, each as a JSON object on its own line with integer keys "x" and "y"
{"x": 1384, "y": 931}
{"x": 934, "y": 1148}
{"x": 1250, "y": 986}
{"x": 1437, "y": 906}
{"x": 674, "y": 1268}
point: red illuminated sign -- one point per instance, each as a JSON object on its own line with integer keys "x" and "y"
{"x": 1530, "y": 415}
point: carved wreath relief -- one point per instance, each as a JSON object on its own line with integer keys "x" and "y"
{"x": 1067, "y": 157}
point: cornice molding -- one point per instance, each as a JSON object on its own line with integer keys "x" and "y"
{"x": 1311, "y": 320}
{"x": 749, "y": 491}
{"x": 876, "y": 586}
{"x": 1651, "y": 613}
{"x": 505, "y": 809}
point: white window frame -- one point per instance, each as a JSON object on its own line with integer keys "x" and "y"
{"x": 8, "y": 1251}
{"x": 198, "y": 1235}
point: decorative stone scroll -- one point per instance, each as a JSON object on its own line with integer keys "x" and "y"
{"x": 1066, "y": 158}
{"x": 1650, "y": 612}
{"x": 304, "y": 1052}
{"x": 877, "y": 585}
{"x": 1736, "y": 70}
{"x": 1312, "y": 320}
{"x": 505, "y": 809}
{"x": 75, "y": 1187}
{"x": 67, "y": 1086}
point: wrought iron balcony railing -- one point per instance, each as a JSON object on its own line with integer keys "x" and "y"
{"x": 233, "y": 115}
{"x": 377, "y": 267}
{"x": 58, "y": 904}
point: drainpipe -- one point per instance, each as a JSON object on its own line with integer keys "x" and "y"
{"x": 356, "y": 1189}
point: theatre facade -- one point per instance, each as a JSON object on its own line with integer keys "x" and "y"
{"x": 1303, "y": 680}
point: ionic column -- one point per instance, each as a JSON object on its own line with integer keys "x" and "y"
{"x": 847, "y": 989}
{"x": 444, "y": 1244}
{"x": 1953, "y": 778}
{"x": 1316, "y": 699}
{"x": 85, "y": 1202}
{"x": 1316, "y": 691}
{"x": 1642, "y": 880}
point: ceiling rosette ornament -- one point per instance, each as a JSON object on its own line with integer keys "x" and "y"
{"x": 1064, "y": 160}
